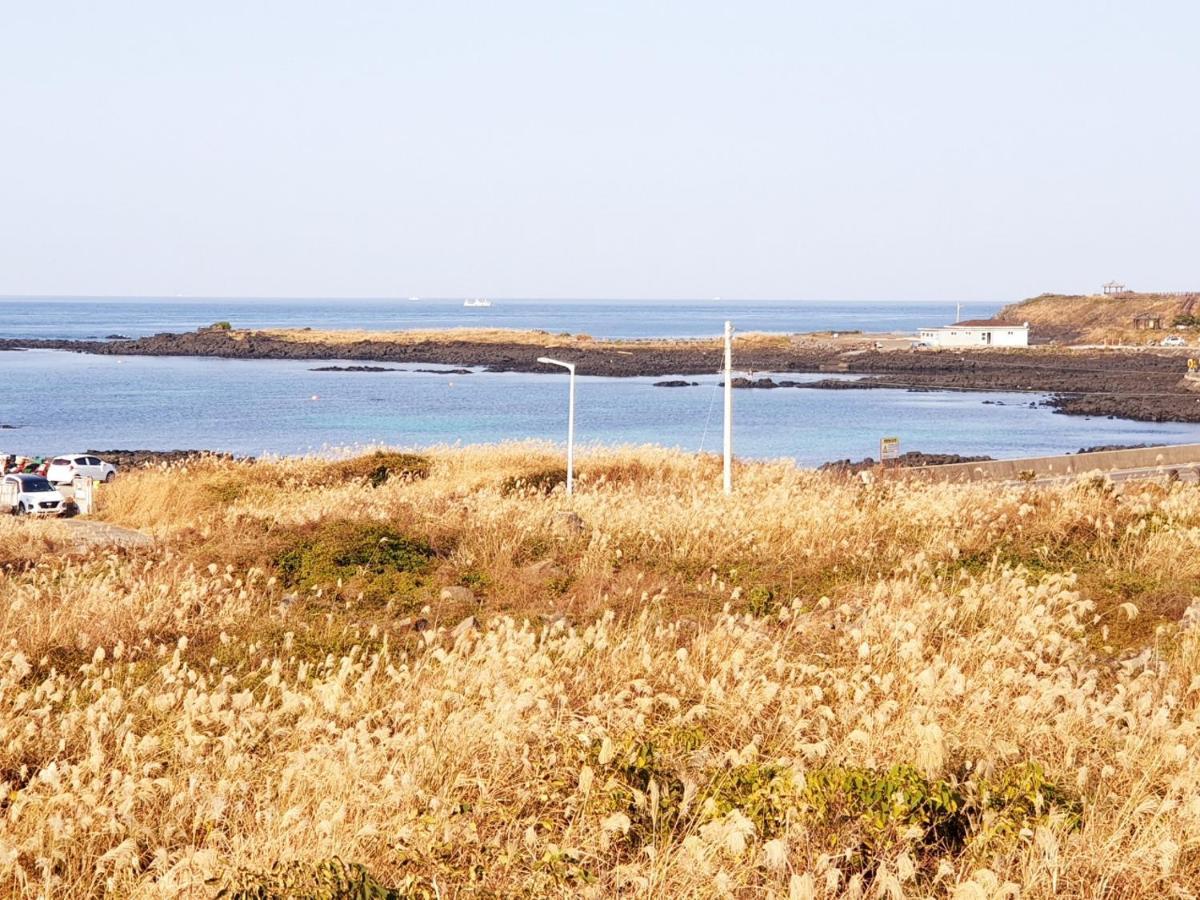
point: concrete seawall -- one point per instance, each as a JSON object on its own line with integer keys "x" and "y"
{"x": 1074, "y": 464}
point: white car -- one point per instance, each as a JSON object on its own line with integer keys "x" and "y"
{"x": 31, "y": 495}
{"x": 1174, "y": 341}
{"x": 64, "y": 468}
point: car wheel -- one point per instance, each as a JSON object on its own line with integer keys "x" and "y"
{"x": 109, "y": 477}
{"x": 20, "y": 510}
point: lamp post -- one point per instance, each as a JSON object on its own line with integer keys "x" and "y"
{"x": 728, "y": 454}
{"x": 570, "y": 367}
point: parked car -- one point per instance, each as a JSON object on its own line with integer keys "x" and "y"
{"x": 1174, "y": 341}
{"x": 31, "y": 495}
{"x": 64, "y": 468}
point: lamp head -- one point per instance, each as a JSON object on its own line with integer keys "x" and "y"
{"x": 546, "y": 360}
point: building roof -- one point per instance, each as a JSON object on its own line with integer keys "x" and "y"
{"x": 985, "y": 323}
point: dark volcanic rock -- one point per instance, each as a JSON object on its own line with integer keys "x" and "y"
{"x": 677, "y": 382}
{"x": 445, "y": 371}
{"x": 117, "y": 337}
{"x": 133, "y": 459}
{"x": 354, "y": 369}
{"x": 842, "y": 384}
{"x": 912, "y": 459}
{"x": 7, "y": 427}
{"x": 1104, "y": 447}
{"x": 763, "y": 383}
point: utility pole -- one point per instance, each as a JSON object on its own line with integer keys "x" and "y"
{"x": 957, "y": 312}
{"x": 728, "y": 407}
{"x": 570, "y": 367}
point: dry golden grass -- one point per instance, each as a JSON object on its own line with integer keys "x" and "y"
{"x": 507, "y": 336}
{"x": 812, "y": 688}
{"x": 1097, "y": 318}
{"x": 415, "y": 336}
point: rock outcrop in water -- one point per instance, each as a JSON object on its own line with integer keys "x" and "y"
{"x": 354, "y": 369}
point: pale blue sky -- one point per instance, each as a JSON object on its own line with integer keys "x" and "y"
{"x": 866, "y": 150}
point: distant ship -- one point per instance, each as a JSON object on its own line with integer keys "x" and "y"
{"x": 475, "y": 304}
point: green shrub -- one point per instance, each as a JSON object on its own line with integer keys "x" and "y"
{"x": 540, "y": 481}
{"x": 329, "y": 879}
{"x": 638, "y": 775}
{"x": 227, "y": 491}
{"x": 220, "y": 326}
{"x": 475, "y": 580}
{"x": 765, "y": 793}
{"x": 760, "y": 601}
{"x": 1021, "y": 796}
{"x": 367, "y": 557}
{"x": 376, "y": 468}
{"x": 883, "y": 807}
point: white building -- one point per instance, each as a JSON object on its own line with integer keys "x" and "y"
{"x": 977, "y": 333}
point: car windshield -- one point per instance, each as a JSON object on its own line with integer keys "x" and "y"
{"x": 35, "y": 485}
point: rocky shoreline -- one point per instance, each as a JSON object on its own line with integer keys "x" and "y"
{"x": 1143, "y": 385}
{"x": 139, "y": 459}
{"x": 910, "y": 460}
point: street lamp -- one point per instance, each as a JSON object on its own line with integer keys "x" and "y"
{"x": 570, "y": 367}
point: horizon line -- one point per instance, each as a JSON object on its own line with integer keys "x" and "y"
{"x": 497, "y": 298}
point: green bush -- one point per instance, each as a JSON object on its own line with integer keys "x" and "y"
{"x": 220, "y": 326}
{"x": 539, "y": 481}
{"x": 883, "y": 807}
{"x": 226, "y": 491}
{"x": 366, "y": 557}
{"x": 765, "y": 793}
{"x": 638, "y": 774}
{"x": 760, "y": 601}
{"x": 376, "y": 468}
{"x": 329, "y": 879}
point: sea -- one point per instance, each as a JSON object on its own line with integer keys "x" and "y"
{"x": 55, "y": 402}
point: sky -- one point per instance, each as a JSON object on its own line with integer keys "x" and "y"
{"x": 867, "y": 150}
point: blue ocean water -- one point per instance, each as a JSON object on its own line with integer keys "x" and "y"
{"x": 60, "y": 402}
{"x": 82, "y": 318}
{"x": 63, "y": 402}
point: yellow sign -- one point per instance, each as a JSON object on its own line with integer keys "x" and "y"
{"x": 889, "y": 448}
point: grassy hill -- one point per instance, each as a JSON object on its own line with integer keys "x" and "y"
{"x": 439, "y": 675}
{"x": 1096, "y": 318}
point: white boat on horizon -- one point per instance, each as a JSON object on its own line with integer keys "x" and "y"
{"x": 476, "y": 304}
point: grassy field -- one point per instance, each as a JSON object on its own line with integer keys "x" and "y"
{"x": 1100, "y": 319}
{"x": 439, "y": 676}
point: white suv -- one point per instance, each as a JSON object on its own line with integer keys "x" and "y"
{"x": 64, "y": 468}
{"x": 31, "y": 495}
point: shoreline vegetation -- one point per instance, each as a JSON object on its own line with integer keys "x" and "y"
{"x": 436, "y": 674}
{"x": 1142, "y": 384}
